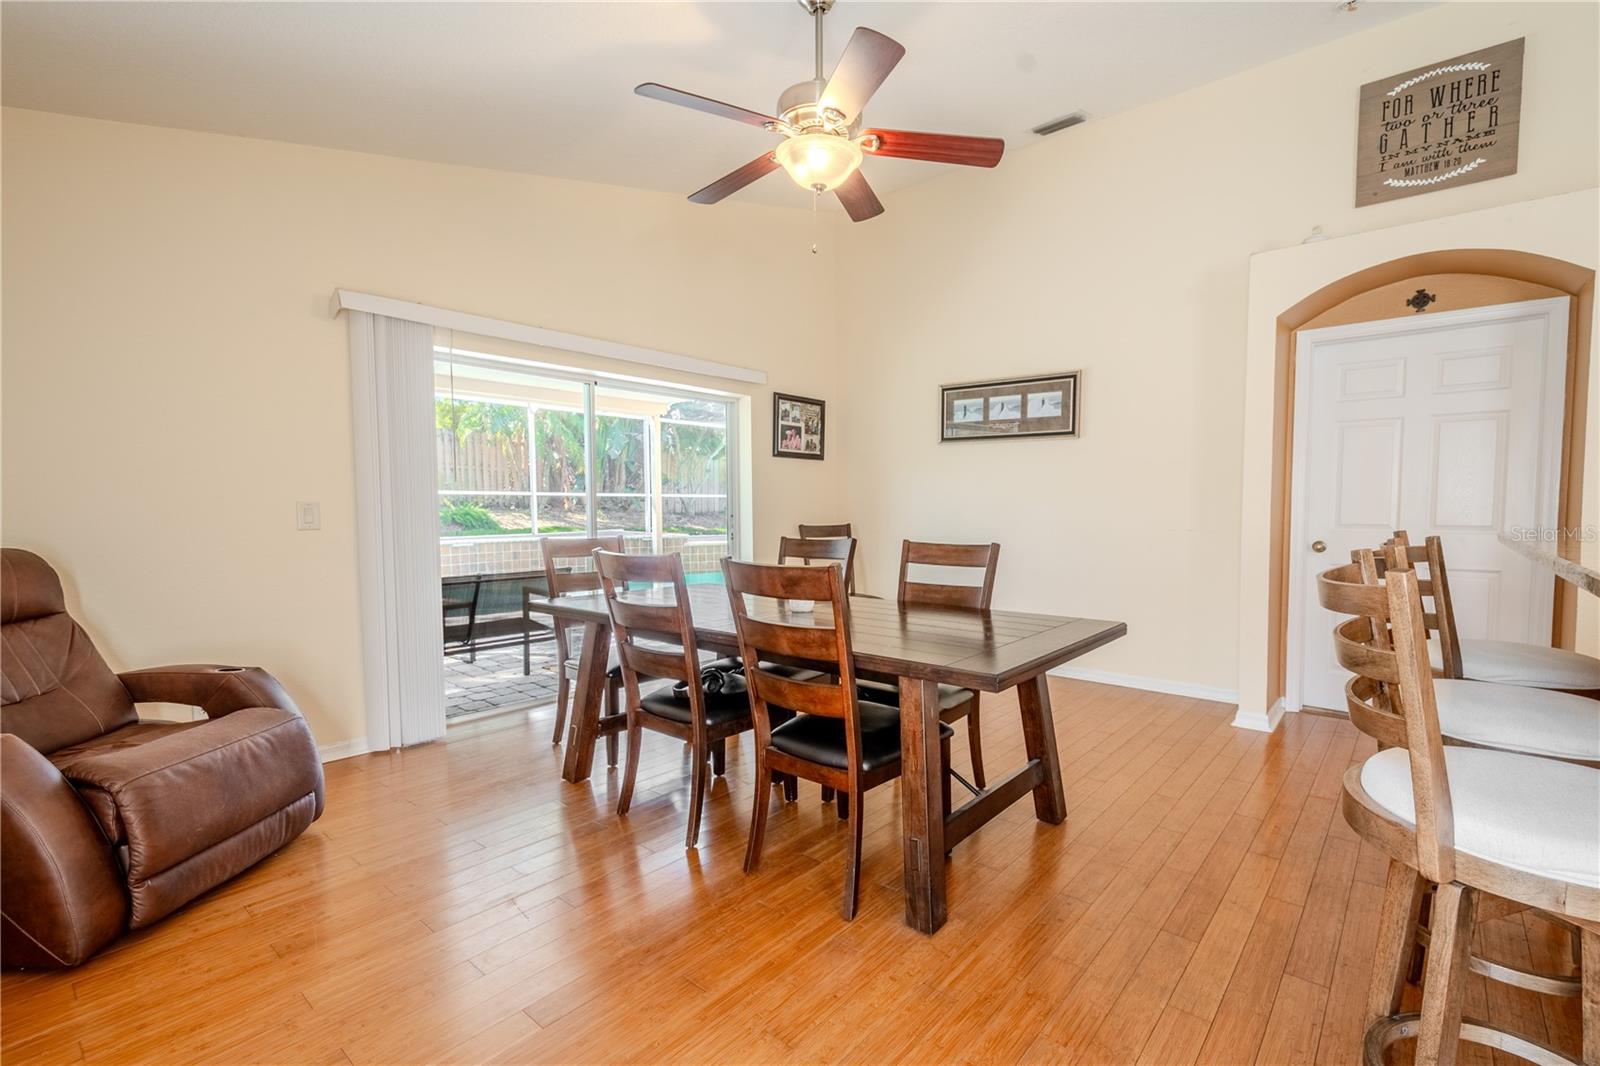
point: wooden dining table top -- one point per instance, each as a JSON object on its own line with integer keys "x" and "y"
{"x": 987, "y": 650}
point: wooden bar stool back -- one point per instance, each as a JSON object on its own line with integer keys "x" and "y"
{"x": 1484, "y": 714}
{"x": 655, "y": 641}
{"x": 1448, "y": 822}
{"x": 835, "y": 738}
{"x": 568, "y": 566}
{"x": 1500, "y": 661}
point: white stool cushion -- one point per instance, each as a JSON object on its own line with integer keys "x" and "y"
{"x": 1536, "y": 815}
{"x": 1533, "y": 720}
{"x": 1529, "y": 665}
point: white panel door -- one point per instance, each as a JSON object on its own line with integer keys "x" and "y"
{"x": 1447, "y": 424}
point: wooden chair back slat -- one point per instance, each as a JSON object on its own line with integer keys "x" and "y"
{"x": 642, "y": 618}
{"x": 983, "y": 557}
{"x": 813, "y": 644}
{"x": 841, "y": 550}
{"x": 558, "y": 549}
{"x": 825, "y": 532}
{"x": 806, "y": 697}
{"x": 1343, "y": 590}
{"x": 785, "y": 582}
{"x": 1368, "y": 701}
{"x": 653, "y": 662}
{"x": 1357, "y": 651}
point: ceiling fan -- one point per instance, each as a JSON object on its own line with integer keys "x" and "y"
{"x": 820, "y": 121}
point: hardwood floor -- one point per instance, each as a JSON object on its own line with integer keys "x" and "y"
{"x": 459, "y": 903}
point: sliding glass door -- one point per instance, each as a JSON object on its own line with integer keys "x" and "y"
{"x": 525, "y": 454}
{"x": 516, "y": 449}
{"x": 664, "y": 475}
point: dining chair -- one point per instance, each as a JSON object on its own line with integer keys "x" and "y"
{"x": 834, "y": 738}
{"x": 955, "y": 703}
{"x": 833, "y": 531}
{"x": 1459, "y": 822}
{"x": 840, "y": 550}
{"x": 1483, "y": 714}
{"x": 655, "y": 642}
{"x": 578, "y": 551}
{"x": 1502, "y": 661}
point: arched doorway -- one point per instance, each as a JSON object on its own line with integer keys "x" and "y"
{"x": 1538, "y": 247}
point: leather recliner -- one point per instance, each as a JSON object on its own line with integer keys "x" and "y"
{"x": 110, "y": 823}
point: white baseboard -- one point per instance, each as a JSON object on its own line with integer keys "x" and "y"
{"x": 1149, "y": 684}
{"x": 344, "y": 749}
{"x": 1262, "y": 723}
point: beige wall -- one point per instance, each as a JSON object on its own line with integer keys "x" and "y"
{"x": 1122, "y": 248}
{"x": 173, "y": 382}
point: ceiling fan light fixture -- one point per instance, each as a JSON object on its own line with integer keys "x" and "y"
{"x": 819, "y": 161}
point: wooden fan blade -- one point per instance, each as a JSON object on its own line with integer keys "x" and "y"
{"x": 667, "y": 94}
{"x": 867, "y": 60}
{"x": 937, "y": 147}
{"x": 858, "y": 198}
{"x": 729, "y": 184}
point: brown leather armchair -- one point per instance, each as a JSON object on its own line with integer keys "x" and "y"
{"x": 108, "y": 822}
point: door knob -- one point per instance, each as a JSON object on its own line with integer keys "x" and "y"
{"x": 1319, "y": 546}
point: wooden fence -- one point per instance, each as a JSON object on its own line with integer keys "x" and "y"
{"x": 480, "y": 462}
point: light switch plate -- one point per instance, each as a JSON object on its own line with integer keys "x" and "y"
{"x": 308, "y": 515}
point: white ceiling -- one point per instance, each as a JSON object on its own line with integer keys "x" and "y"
{"x": 546, "y": 88}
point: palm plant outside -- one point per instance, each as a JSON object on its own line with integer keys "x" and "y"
{"x": 693, "y": 459}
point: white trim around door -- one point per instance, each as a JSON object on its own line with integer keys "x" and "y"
{"x": 1546, "y": 494}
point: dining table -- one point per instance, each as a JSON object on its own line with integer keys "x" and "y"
{"x": 919, "y": 648}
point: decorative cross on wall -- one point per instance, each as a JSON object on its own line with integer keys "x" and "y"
{"x": 1420, "y": 300}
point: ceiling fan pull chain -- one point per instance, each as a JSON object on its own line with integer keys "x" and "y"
{"x": 815, "y": 197}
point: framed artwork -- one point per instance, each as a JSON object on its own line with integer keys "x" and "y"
{"x": 797, "y": 426}
{"x": 1044, "y": 406}
{"x": 1438, "y": 126}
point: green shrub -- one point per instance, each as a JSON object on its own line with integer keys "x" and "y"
{"x": 467, "y": 517}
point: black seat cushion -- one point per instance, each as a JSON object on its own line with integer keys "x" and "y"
{"x": 721, "y": 707}
{"x": 820, "y": 739}
{"x": 950, "y": 696}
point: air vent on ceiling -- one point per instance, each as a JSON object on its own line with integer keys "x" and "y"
{"x": 1056, "y": 125}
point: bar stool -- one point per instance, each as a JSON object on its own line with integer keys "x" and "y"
{"x": 1501, "y": 661}
{"x": 1449, "y": 823}
{"x": 1485, "y": 714}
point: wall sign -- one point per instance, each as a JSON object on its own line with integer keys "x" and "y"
{"x": 1439, "y": 126}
